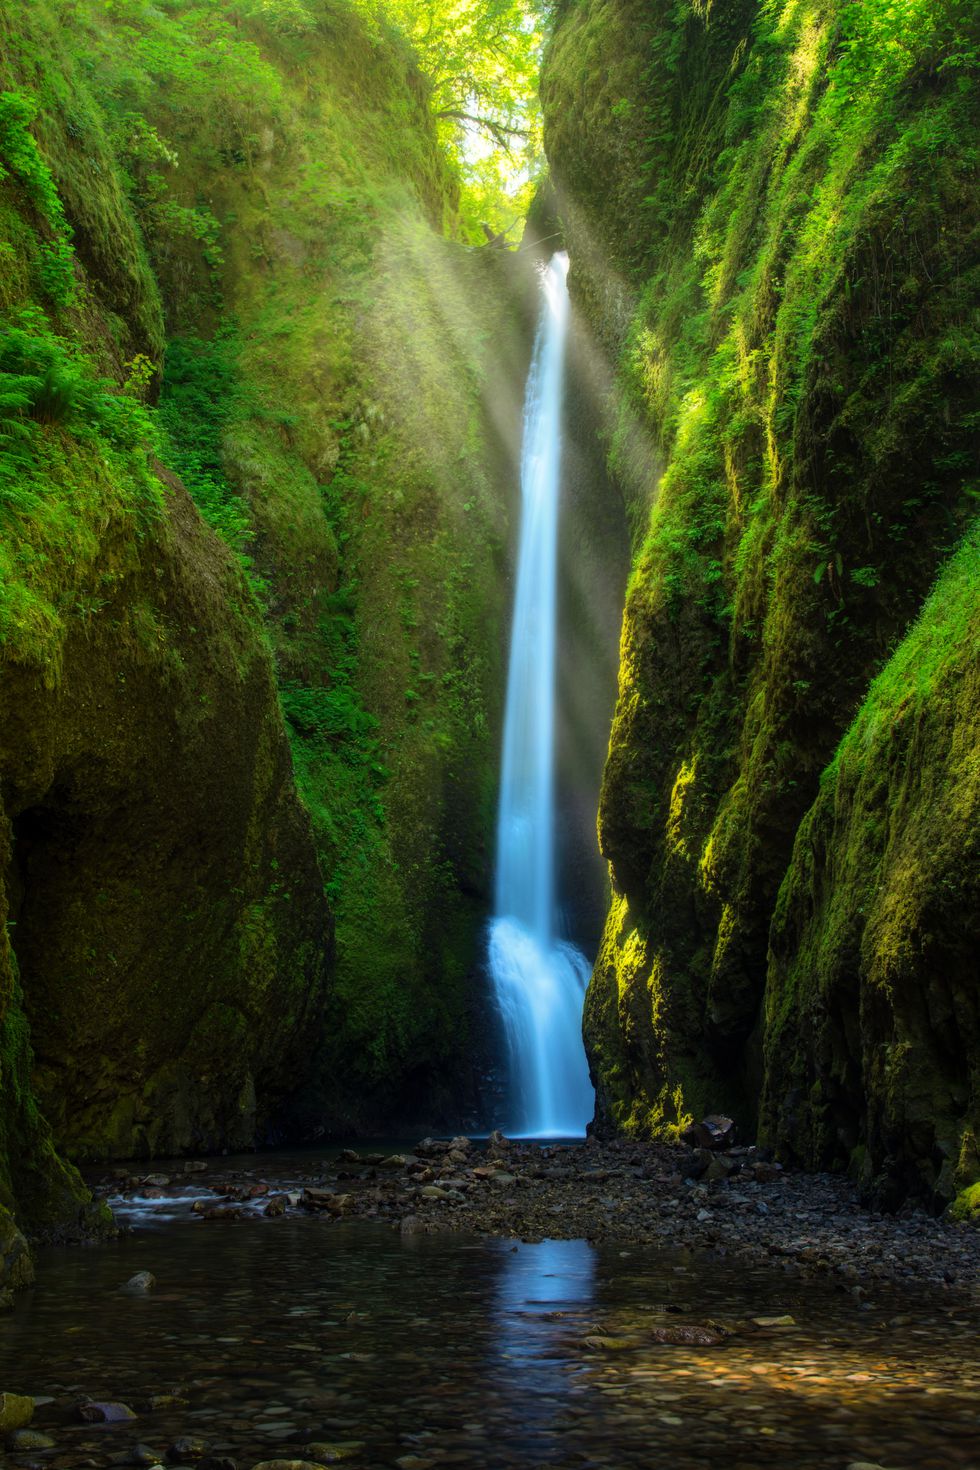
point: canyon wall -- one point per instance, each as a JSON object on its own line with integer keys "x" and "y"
{"x": 773, "y": 222}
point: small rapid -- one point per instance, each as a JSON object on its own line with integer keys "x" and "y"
{"x": 538, "y": 980}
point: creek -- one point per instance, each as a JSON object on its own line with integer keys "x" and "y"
{"x": 424, "y": 1351}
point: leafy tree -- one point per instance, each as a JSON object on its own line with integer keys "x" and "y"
{"x": 481, "y": 58}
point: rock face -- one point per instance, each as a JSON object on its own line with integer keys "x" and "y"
{"x": 332, "y": 385}
{"x": 168, "y": 923}
{"x": 164, "y": 936}
{"x": 872, "y": 1004}
{"x": 778, "y": 279}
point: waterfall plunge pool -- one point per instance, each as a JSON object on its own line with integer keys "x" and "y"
{"x": 431, "y": 1351}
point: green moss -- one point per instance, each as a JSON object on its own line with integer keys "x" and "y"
{"x": 966, "y": 1206}
{"x": 871, "y": 1012}
{"x": 326, "y": 397}
{"x": 781, "y": 264}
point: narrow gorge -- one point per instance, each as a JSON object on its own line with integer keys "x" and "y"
{"x": 490, "y": 640}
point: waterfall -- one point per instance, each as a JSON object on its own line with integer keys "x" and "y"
{"x": 539, "y": 981}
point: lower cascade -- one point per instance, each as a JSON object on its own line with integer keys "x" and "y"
{"x": 539, "y": 980}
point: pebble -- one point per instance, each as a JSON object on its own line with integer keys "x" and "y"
{"x": 16, "y": 1411}
{"x": 140, "y": 1284}
{"x": 29, "y": 1439}
{"x": 98, "y": 1411}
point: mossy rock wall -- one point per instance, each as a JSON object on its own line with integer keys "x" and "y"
{"x": 166, "y": 906}
{"x": 368, "y": 438}
{"x": 340, "y": 393}
{"x": 780, "y": 262}
{"x": 872, "y": 1007}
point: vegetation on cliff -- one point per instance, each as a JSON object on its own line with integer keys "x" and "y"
{"x": 782, "y": 254}
{"x": 226, "y": 235}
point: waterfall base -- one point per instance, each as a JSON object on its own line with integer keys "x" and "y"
{"x": 540, "y": 990}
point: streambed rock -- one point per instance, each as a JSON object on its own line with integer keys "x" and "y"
{"x": 16, "y": 1411}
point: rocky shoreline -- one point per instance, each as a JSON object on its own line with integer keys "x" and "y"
{"x": 735, "y": 1201}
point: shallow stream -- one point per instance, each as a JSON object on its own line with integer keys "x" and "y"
{"x": 442, "y": 1350}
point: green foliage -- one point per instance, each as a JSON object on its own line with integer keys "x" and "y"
{"x": 20, "y": 157}
{"x": 481, "y": 60}
{"x": 791, "y": 194}
{"x": 201, "y": 395}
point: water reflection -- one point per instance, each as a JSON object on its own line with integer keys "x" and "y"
{"x": 538, "y": 1286}
{"x": 461, "y": 1352}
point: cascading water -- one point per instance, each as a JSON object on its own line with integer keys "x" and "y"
{"x": 539, "y": 981}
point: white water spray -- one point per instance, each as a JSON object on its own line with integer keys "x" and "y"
{"x": 539, "y": 981}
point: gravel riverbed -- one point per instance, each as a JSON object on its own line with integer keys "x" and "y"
{"x": 736, "y": 1202}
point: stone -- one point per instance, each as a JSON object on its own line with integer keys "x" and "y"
{"x": 187, "y": 1449}
{"x": 687, "y": 1334}
{"x": 194, "y": 1166}
{"x": 158, "y": 1181}
{"x": 29, "y": 1439}
{"x": 275, "y": 1207}
{"x": 327, "y": 1452}
{"x": 140, "y": 1284}
{"x": 288, "y": 1465}
{"x": 412, "y": 1225}
{"x": 785, "y": 1321}
{"x": 139, "y": 1454}
{"x": 714, "y": 1131}
{"x": 98, "y": 1411}
{"x": 218, "y": 1462}
{"x": 16, "y": 1411}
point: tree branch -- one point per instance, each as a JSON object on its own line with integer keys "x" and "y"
{"x": 501, "y": 133}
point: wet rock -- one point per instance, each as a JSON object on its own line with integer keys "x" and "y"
{"x": 397, "y": 1161}
{"x": 166, "y": 1401}
{"x": 99, "y": 1411}
{"x": 6, "y": 1299}
{"x": 687, "y": 1334}
{"x": 276, "y": 1206}
{"x": 329, "y": 1452}
{"x": 713, "y": 1132}
{"x": 412, "y": 1225}
{"x": 140, "y": 1284}
{"x": 187, "y": 1450}
{"x": 288, "y": 1465}
{"x": 139, "y": 1454}
{"x": 340, "y": 1204}
{"x": 16, "y": 1411}
{"x": 217, "y": 1462}
{"x": 194, "y": 1166}
{"x": 785, "y": 1321}
{"x": 158, "y": 1181}
{"x": 349, "y": 1156}
{"x": 22, "y": 1440}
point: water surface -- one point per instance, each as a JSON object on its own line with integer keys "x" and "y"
{"x": 454, "y": 1351}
